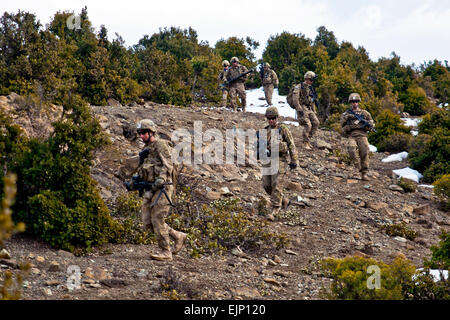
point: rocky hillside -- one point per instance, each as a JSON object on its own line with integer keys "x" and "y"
{"x": 334, "y": 214}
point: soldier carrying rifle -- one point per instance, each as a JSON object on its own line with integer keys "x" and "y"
{"x": 356, "y": 123}
{"x": 155, "y": 178}
{"x": 236, "y": 76}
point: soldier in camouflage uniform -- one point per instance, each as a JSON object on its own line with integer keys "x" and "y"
{"x": 269, "y": 81}
{"x": 237, "y": 87}
{"x": 157, "y": 168}
{"x": 222, "y": 79}
{"x": 304, "y": 104}
{"x": 273, "y": 184}
{"x": 357, "y": 133}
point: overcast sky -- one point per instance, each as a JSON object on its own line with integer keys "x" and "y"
{"x": 417, "y": 30}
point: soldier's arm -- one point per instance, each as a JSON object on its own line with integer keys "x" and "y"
{"x": 296, "y": 98}
{"x": 344, "y": 118}
{"x": 275, "y": 79}
{"x": 244, "y": 69}
{"x": 166, "y": 158}
{"x": 369, "y": 119}
{"x": 289, "y": 139}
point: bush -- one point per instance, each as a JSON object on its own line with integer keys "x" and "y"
{"x": 396, "y": 142}
{"x": 350, "y": 278}
{"x": 400, "y": 230}
{"x": 440, "y": 258}
{"x": 387, "y": 124}
{"x": 442, "y": 190}
{"x": 220, "y": 226}
{"x": 407, "y": 185}
{"x": 415, "y": 101}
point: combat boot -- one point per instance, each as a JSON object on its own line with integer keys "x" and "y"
{"x": 179, "y": 242}
{"x": 307, "y": 146}
{"x": 271, "y": 216}
{"x": 364, "y": 176}
{"x": 285, "y": 203}
{"x": 165, "y": 255}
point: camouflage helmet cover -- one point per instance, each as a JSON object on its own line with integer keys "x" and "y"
{"x": 234, "y": 59}
{"x": 310, "y": 75}
{"x": 146, "y": 124}
{"x": 225, "y": 63}
{"x": 354, "y": 97}
{"x": 272, "y": 112}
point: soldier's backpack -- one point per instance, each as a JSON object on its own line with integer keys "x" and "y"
{"x": 290, "y": 96}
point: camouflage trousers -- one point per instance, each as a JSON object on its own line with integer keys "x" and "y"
{"x": 310, "y": 123}
{"x": 274, "y": 185}
{"x": 268, "y": 92}
{"x": 153, "y": 218}
{"x": 238, "y": 89}
{"x": 224, "y": 98}
{"x": 360, "y": 142}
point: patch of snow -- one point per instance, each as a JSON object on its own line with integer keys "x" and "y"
{"x": 409, "y": 173}
{"x": 436, "y": 273}
{"x": 256, "y": 103}
{"x": 396, "y": 157}
{"x": 294, "y": 123}
{"x": 414, "y": 132}
{"x": 372, "y": 148}
{"x": 411, "y": 122}
{"x": 426, "y": 186}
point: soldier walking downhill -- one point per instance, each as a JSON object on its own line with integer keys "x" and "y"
{"x": 269, "y": 81}
{"x": 157, "y": 168}
{"x": 273, "y": 184}
{"x": 237, "y": 88}
{"x": 222, "y": 80}
{"x": 357, "y": 130}
{"x": 304, "y": 104}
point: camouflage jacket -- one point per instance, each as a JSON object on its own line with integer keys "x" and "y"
{"x": 352, "y": 126}
{"x": 302, "y": 97}
{"x": 158, "y": 163}
{"x": 233, "y": 72}
{"x": 287, "y": 144}
{"x": 221, "y": 78}
{"x": 269, "y": 78}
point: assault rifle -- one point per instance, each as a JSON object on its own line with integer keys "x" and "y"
{"x": 226, "y": 83}
{"x": 361, "y": 119}
{"x": 137, "y": 184}
{"x": 313, "y": 95}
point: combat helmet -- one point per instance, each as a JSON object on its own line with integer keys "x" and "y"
{"x": 225, "y": 63}
{"x": 146, "y": 124}
{"x": 234, "y": 59}
{"x": 354, "y": 97}
{"x": 272, "y": 112}
{"x": 310, "y": 75}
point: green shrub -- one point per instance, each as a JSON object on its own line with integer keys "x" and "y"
{"x": 400, "y": 230}
{"x": 407, "y": 185}
{"x": 387, "y": 124}
{"x": 415, "y": 101}
{"x": 442, "y": 190}
{"x": 220, "y": 226}
{"x": 396, "y": 142}
{"x": 430, "y": 154}
{"x": 440, "y": 258}
{"x": 350, "y": 278}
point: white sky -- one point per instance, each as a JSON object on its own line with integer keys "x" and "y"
{"x": 417, "y": 30}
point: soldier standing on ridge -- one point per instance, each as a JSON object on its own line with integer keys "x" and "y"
{"x": 304, "y": 104}
{"x": 356, "y": 123}
{"x": 269, "y": 80}
{"x": 157, "y": 168}
{"x": 237, "y": 87}
{"x": 222, "y": 79}
{"x": 273, "y": 184}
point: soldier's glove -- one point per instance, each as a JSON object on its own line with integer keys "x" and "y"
{"x": 158, "y": 184}
{"x": 293, "y": 165}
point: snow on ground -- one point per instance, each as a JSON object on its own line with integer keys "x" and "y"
{"x": 256, "y": 103}
{"x": 436, "y": 273}
{"x": 372, "y": 148}
{"x": 396, "y": 157}
{"x": 414, "y": 132}
{"x": 409, "y": 173}
{"x": 411, "y": 122}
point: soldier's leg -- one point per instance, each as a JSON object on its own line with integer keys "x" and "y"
{"x": 145, "y": 211}
{"x": 224, "y": 98}
{"x": 351, "y": 148}
{"x": 268, "y": 92}
{"x": 314, "y": 123}
{"x": 233, "y": 98}
{"x": 364, "y": 151}
{"x": 243, "y": 96}
{"x": 267, "y": 183}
